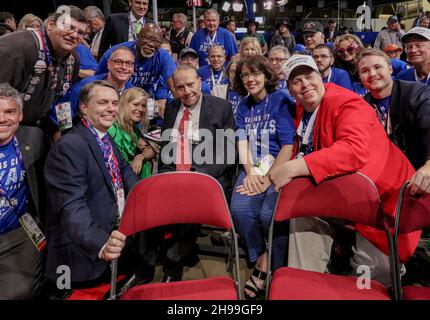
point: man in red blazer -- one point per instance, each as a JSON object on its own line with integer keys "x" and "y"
{"x": 339, "y": 133}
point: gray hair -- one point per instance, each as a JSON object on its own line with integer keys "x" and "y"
{"x": 8, "y": 92}
{"x": 93, "y": 12}
{"x": 217, "y": 46}
{"x": 281, "y": 48}
{"x": 87, "y": 90}
{"x": 211, "y": 11}
{"x": 182, "y": 17}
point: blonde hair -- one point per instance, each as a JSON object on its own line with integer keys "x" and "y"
{"x": 350, "y": 38}
{"x": 123, "y": 117}
{"x": 28, "y": 19}
{"x": 248, "y": 40}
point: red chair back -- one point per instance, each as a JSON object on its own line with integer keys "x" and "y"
{"x": 174, "y": 198}
{"x": 413, "y": 212}
{"x": 352, "y": 197}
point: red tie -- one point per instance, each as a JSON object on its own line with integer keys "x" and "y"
{"x": 183, "y": 158}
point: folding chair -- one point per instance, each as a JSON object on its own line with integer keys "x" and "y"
{"x": 175, "y": 198}
{"x": 412, "y": 213}
{"x": 352, "y": 197}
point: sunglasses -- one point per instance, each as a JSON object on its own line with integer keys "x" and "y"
{"x": 350, "y": 49}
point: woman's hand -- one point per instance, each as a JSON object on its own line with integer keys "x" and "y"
{"x": 136, "y": 163}
{"x": 264, "y": 184}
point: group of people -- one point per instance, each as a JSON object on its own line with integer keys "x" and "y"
{"x": 73, "y": 143}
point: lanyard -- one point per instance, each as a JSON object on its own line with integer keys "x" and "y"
{"x": 116, "y": 180}
{"x": 217, "y": 83}
{"x": 308, "y": 132}
{"x": 418, "y": 79}
{"x": 329, "y": 76}
{"x": 211, "y": 40}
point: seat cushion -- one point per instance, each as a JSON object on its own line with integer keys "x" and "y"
{"x": 295, "y": 284}
{"x": 416, "y": 293}
{"x": 217, "y": 288}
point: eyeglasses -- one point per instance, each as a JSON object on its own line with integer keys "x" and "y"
{"x": 120, "y": 62}
{"x": 145, "y": 40}
{"x": 72, "y": 29}
{"x": 246, "y": 76}
{"x": 350, "y": 49}
{"x": 277, "y": 60}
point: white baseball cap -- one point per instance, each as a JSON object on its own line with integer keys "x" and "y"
{"x": 417, "y": 31}
{"x": 298, "y": 60}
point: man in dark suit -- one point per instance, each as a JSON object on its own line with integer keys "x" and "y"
{"x": 123, "y": 27}
{"x": 331, "y": 32}
{"x": 21, "y": 200}
{"x": 87, "y": 181}
{"x": 193, "y": 140}
{"x": 403, "y": 108}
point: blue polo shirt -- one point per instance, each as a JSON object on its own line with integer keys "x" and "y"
{"x": 147, "y": 71}
{"x": 271, "y": 114}
{"x": 201, "y": 42}
{"x": 398, "y": 66}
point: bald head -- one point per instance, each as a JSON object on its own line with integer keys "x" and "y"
{"x": 149, "y": 40}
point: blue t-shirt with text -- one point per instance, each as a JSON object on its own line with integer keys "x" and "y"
{"x": 13, "y": 193}
{"x": 271, "y": 114}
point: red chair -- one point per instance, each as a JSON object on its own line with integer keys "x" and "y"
{"x": 351, "y": 197}
{"x": 413, "y": 213}
{"x": 174, "y": 198}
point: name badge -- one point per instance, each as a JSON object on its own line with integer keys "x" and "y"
{"x": 64, "y": 115}
{"x": 120, "y": 198}
{"x": 150, "y": 107}
{"x": 33, "y": 231}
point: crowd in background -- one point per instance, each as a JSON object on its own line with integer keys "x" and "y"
{"x": 83, "y": 107}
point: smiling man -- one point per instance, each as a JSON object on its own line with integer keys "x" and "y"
{"x": 151, "y": 62}
{"x": 212, "y": 34}
{"x": 417, "y": 46}
{"x": 192, "y": 117}
{"x": 339, "y": 133}
{"x": 403, "y": 108}
{"x": 87, "y": 182}
{"x": 42, "y": 65}
{"x": 21, "y": 195}
{"x": 214, "y": 73}
{"x": 120, "y": 66}
{"x": 313, "y": 34}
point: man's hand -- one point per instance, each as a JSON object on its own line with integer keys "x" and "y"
{"x": 113, "y": 247}
{"x": 284, "y": 173}
{"x": 420, "y": 181}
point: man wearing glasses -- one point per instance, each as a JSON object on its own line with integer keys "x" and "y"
{"x": 120, "y": 68}
{"x": 324, "y": 58}
{"x": 417, "y": 45}
{"x": 151, "y": 61}
{"x": 42, "y": 65}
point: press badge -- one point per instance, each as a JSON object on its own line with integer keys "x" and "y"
{"x": 120, "y": 198}
{"x": 33, "y": 231}
{"x": 263, "y": 166}
{"x": 150, "y": 107}
{"x": 64, "y": 115}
